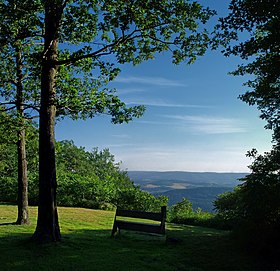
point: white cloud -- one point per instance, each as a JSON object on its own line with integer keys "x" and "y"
{"x": 156, "y": 81}
{"x": 211, "y": 125}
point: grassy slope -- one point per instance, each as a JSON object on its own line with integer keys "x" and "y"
{"x": 87, "y": 245}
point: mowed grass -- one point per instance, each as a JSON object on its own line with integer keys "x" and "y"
{"x": 86, "y": 245}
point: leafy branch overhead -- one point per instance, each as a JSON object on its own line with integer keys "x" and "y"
{"x": 95, "y": 35}
{"x": 134, "y": 30}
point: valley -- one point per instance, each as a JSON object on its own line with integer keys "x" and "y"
{"x": 201, "y": 188}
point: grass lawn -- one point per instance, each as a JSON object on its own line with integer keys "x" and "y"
{"x": 86, "y": 245}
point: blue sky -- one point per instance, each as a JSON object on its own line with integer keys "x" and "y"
{"x": 193, "y": 119}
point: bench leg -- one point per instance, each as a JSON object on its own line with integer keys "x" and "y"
{"x": 114, "y": 230}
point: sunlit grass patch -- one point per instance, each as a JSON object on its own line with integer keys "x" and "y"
{"x": 87, "y": 245}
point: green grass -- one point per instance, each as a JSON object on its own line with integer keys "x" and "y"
{"x": 87, "y": 245}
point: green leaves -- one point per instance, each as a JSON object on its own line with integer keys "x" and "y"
{"x": 84, "y": 95}
{"x": 96, "y": 35}
{"x": 93, "y": 179}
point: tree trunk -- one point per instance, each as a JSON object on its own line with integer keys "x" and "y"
{"x": 47, "y": 229}
{"x": 23, "y": 216}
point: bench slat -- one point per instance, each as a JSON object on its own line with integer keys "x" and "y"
{"x": 139, "y": 214}
{"x": 143, "y": 227}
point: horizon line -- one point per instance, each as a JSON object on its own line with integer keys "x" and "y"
{"x": 185, "y": 171}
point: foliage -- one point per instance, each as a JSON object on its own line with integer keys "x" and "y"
{"x": 254, "y": 206}
{"x": 93, "y": 179}
{"x": 257, "y": 198}
{"x": 20, "y": 31}
{"x": 230, "y": 207}
{"x": 97, "y": 37}
{"x": 19, "y": 39}
{"x": 8, "y": 177}
{"x": 183, "y": 213}
{"x": 136, "y": 199}
{"x": 8, "y": 157}
{"x": 260, "y": 50}
{"x": 8, "y": 126}
{"x": 86, "y": 179}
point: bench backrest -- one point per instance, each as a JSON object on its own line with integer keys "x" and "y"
{"x": 143, "y": 215}
{"x": 138, "y": 226}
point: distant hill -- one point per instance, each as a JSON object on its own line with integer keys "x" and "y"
{"x": 200, "y": 197}
{"x": 156, "y": 181}
{"x": 201, "y": 188}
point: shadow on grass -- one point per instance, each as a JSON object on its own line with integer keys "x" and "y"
{"x": 8, "y": 203}
{"x": 198, "y": 249}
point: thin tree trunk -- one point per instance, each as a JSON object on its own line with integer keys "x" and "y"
{"x": 47, "y": 229}
{"x": 23, "y": 216}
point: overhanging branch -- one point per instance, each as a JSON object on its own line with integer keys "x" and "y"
{"x": 72, "y": 59}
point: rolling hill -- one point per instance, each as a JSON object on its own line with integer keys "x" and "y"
{"x": 201, "y": 188}
{"x": 200, "y": 197}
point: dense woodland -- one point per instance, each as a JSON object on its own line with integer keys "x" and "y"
{"x": 39, "y": 78}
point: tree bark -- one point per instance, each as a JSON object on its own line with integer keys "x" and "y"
{"x": 47, "y": 229}
{"x": 23, "y": 215}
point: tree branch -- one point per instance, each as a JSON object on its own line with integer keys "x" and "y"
{"x": 26, "y": 106}
{"x": 13, "y": 82}
{"x": 72, "y": 59}
{"x": 7, "y": 109}
{"x": 29, "y": 106}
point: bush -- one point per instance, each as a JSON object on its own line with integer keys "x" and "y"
{"x": 85, "y": 179}
{"x": 136, "y": 199}
{"x": 253, "y": 208}
{"x": 183, "y": 213}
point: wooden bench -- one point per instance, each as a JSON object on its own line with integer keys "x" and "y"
{"x": 158, "y": 228}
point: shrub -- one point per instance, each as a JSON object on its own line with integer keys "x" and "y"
{"x": 183, "y": 213}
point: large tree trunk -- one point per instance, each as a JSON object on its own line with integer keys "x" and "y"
{"x": 47, "y": 223}
{"x": 23, "y": 216}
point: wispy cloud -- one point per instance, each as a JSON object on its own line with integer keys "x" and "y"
{"x": 152, "y": 122}
{"x": 183, "y": 158}
{"x": 131, "y": 90}
{"x": 156, "y": 81}
{"x": 161, "y": 103}
{"x": 211, "y": 125}
{"x": 121, "y": 136}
